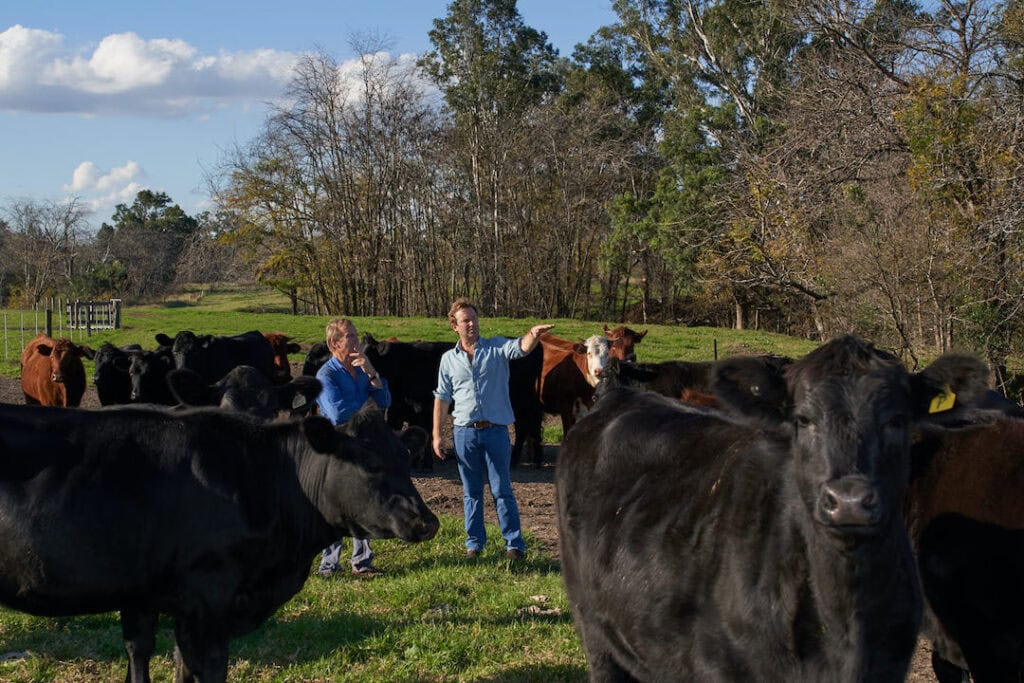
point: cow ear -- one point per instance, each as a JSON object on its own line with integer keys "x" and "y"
{"x": 752, "y": 387}
{"x": 606, "y": 330}
{"x": 953, "y": 379}
{"x": 640, "y": 336}
{"x": 579, "y": 347}
{"x": 189, "y": 388}
{"x": 297, "y": 394}
{"x": 44, "y": 349}
{"x": 292, "y": 347}
{"x": 86, "y": 351}
{"x": 321, "y": 434}
{"x": 163, "y": 340}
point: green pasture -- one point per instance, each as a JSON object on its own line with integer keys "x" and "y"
{"x": 231, "y": 310}
{"x": 435, "y": 616}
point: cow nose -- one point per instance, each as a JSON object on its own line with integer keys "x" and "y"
{"x": 58, "y": 378}
{"x": 850, "y": 501}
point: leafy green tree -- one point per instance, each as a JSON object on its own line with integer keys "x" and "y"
{"x": 147, "y": 238}
{"x": 494, "y": 71}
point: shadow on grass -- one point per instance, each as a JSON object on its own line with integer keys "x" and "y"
{"x": 98, "y": 638}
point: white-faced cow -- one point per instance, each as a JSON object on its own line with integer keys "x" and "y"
{"x": 764, "y": 544}
{"x": 52, "y": 373}
{"x": 208, "y": 516}
{"x": 569, "y": 374}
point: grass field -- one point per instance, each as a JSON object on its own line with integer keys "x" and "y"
{"x": 435, "y": 617}
{"x": 234, "y": 310}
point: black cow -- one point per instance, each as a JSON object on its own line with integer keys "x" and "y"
{"x": 411, "y": 371}
{"x": 111, "y": 374}
{"x": 246, "y": 390}
{"x": 766, "y": 543}
{"x": 523, "y": 392}
{"x": 670, "y": 378}
{"x": 207, "y": 516}
{"x": 965, "y": 515}
{"x": 317, "y": 355}
{"x": 148, "y": 371}
{"x": 213, "y": 357}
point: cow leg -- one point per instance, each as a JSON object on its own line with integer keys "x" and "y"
{"x": 139, "y": 631}
{"x": 200, "y": 653}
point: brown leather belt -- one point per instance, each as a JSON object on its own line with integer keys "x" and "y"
{"x": 480, "y": 424}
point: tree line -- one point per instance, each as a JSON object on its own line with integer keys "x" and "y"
{"x": 812, "y": 167}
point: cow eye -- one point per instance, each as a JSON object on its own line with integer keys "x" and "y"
{"x": 803, "y": 422}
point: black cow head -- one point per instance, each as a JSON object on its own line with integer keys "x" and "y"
{"x": 245, "y": 389}
{"x": 366, "y": 490}
{"x": 847, "y": 410}
{"x": 148, "y": 371}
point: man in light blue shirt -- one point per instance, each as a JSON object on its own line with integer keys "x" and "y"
{"x": 474, "y": 375}
{"x": 348, "y": 380}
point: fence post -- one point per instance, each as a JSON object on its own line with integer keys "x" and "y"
{"x": 23, "y": 329}
{"x": 49, "y": 322}
{"x": 5, "y": 337}
{"x": 117, "y": 313}
{"x": 88, "y": 319}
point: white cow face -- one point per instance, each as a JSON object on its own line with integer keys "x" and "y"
{"x": 597, "y": 358}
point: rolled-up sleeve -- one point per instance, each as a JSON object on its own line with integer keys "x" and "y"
{"x": 444, "y": 381}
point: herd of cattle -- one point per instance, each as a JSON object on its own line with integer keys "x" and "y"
{"x": 757, "y": 518}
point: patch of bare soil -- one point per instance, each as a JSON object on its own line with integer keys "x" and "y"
{"x": 535, "y": 493}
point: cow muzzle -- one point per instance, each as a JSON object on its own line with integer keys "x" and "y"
{"x": 850, "y": 502}
{"x": 57, "y": 377}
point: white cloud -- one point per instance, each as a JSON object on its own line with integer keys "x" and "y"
{"x": 127, "y": 74}
{"x": 102, "y": 190}
{"x": 88, "y": 177}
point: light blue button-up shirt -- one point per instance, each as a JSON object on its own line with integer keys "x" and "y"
{"x": 478, "y": 389}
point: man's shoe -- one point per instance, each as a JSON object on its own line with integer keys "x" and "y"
{"x": 472, "y": 553}
{"x": 367, "y": 573}
{"x": 514, "y": 554}
{"x": 327, "y": 573}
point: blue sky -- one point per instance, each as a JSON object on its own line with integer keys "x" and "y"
{"x": 99, "y": 100}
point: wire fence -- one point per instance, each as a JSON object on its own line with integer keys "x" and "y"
{"x": 76, "y": 319}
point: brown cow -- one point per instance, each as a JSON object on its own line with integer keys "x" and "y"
{"x": 570, "y": 372}
{"x": 52, "y": 373}
{"x": 965, "y": 515}
{"x": 621, "y": 341}
{"x": 282, "y": 345}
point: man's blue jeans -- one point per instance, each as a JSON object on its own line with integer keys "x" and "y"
{"x": 486, "y": 453}
{"x": 362, "y": 556}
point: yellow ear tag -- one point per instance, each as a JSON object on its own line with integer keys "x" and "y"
{"x": 942, "y": 402}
